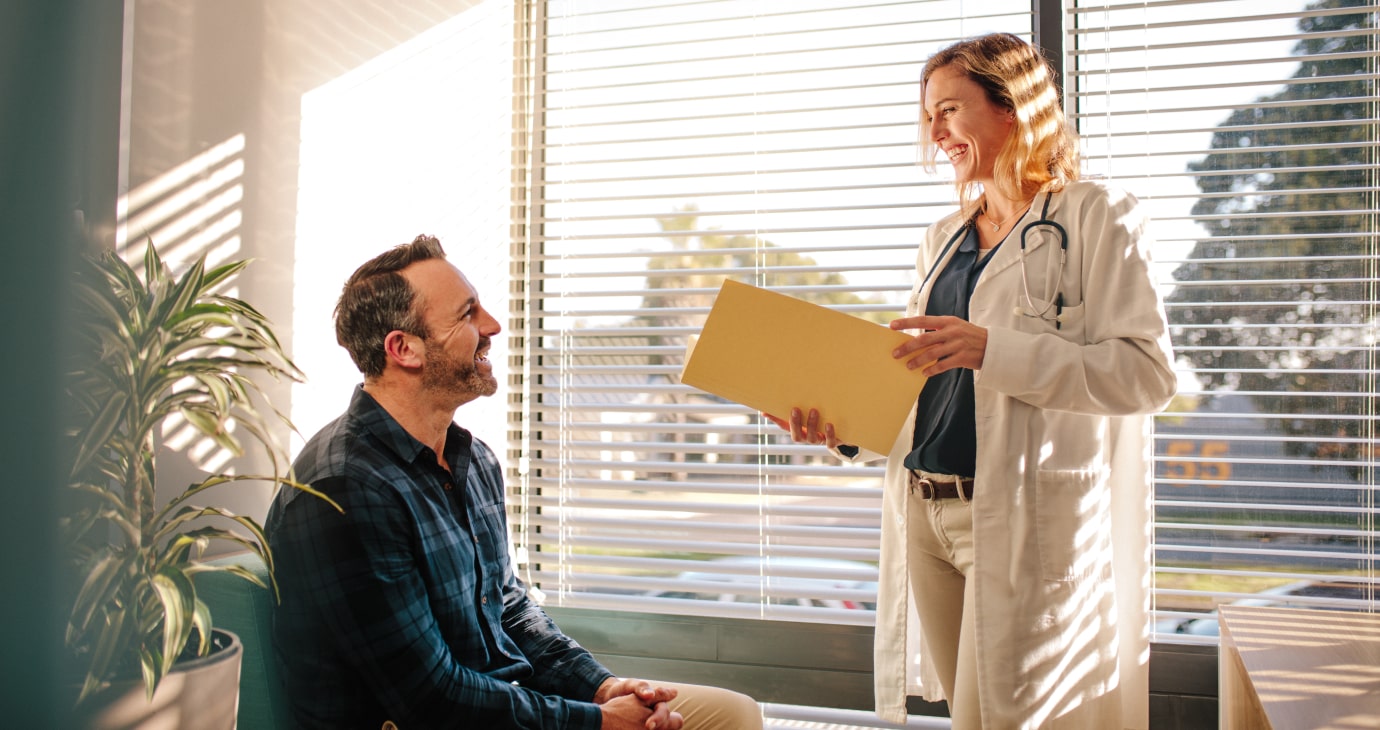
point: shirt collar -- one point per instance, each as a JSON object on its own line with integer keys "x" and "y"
{"x": 379, "y": 423}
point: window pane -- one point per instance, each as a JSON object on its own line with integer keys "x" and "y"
{"x": 1250, "y": 128}
{"x": 683, "y": 144}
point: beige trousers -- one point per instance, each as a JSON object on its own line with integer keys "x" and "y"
{"x": 712, "y": 708}
{"x": 940, "y": 556}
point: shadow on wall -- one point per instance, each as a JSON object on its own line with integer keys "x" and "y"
{"x": 211, "y": 138}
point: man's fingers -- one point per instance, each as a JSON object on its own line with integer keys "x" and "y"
{"x": 652, "y": 694}
{"x": 661, "y": 717}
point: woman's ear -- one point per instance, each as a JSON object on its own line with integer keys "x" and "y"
{"x": 406, "y": 350}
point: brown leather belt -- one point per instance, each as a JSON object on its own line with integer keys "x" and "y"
{"x": 930, "y": 488}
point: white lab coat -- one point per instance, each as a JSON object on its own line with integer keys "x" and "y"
{"x": 1061, "y": 513}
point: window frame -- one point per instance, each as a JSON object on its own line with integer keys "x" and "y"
{"x": 1049, "y": 26}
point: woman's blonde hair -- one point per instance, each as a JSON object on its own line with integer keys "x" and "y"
{"x": 1042, "y": 151}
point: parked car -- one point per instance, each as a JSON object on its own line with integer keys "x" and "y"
{"x": 736, "y": 579}
{"x": 1348, "y": 596}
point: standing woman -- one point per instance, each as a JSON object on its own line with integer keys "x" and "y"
{"x": 1016, "y": 517}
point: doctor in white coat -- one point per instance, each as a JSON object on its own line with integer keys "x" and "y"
{"x": 1015, "y": 556}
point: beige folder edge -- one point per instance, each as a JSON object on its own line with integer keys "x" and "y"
{"x": 773, "y": 352}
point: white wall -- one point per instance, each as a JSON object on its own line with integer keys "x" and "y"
{"x": 310, "y": 135}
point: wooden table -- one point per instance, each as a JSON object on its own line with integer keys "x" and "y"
{"x": 1286, "y": 668}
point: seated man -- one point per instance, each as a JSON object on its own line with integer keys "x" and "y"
{"x": 403, "y": 611}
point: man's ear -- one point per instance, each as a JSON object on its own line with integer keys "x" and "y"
{"x": 403, "y": 349}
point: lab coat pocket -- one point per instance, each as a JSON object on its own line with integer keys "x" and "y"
{"x": 1065, "y": 322}
{"x": 1070, "y": 514}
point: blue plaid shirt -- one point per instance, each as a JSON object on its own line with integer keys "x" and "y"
{"x": 406, "y": 607}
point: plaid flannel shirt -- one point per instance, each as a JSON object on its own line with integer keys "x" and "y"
{"x": 406, "y": 607}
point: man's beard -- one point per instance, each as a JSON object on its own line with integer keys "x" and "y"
{"x": 443, "y": 373}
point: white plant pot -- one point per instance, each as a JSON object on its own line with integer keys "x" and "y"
{"x": 200, "y": 694}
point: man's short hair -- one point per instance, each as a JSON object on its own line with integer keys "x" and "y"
{"x": 377, "y": 299}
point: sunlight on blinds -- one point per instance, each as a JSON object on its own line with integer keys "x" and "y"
{"x": 682, "y": 143}
{"x": 1250, "y": 128}
{"x": 189, "y": 211}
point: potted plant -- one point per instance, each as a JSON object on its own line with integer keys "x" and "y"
{"x": 155, "y": 347}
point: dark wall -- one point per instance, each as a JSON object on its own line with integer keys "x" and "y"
{"x": 200, "y": 72}
{"x": 59, "y": 101}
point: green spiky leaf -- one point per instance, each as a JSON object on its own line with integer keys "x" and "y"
{"x": 154, "y": 346}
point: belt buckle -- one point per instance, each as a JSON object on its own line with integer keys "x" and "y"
{"x": 929, "y": 488}
{"x": 925, "y": 485}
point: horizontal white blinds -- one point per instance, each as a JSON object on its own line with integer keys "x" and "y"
{"x": 1250, "y": 128}
{"x": 680, "y": 144}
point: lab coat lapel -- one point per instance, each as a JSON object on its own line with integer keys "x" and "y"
{"x": 946, "y": 254}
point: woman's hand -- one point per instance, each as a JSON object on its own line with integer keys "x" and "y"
{"x": 945, "y": 343}
{"x": 806, "y": 430}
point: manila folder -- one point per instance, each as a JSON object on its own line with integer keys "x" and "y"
{"x": 773, "y": 353}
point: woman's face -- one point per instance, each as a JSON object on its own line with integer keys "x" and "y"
{"x": 964, "y": 124}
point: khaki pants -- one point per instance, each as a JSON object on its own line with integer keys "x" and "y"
{"x": 940, "y": 553}
{"x": 712, "y": 708}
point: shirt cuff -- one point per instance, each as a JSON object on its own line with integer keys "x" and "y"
{"x": 591, "y": 679}
{"x": 585, "y": 716}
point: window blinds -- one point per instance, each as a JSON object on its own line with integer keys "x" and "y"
{"x": 674, "y": 145}
{"x": 1250, "y": 129}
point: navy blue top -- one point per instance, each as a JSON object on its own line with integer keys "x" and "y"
{"x": 406, "y": 607}
{"x": 945, "y": 439}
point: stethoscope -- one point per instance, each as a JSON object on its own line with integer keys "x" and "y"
{"x": 1056, "y": 300}
{"x": 1049, "y": 311}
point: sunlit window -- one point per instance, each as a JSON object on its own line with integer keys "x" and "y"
{"x": 674, "y": 145}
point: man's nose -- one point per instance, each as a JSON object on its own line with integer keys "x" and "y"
{"x": 491, "y": 326}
